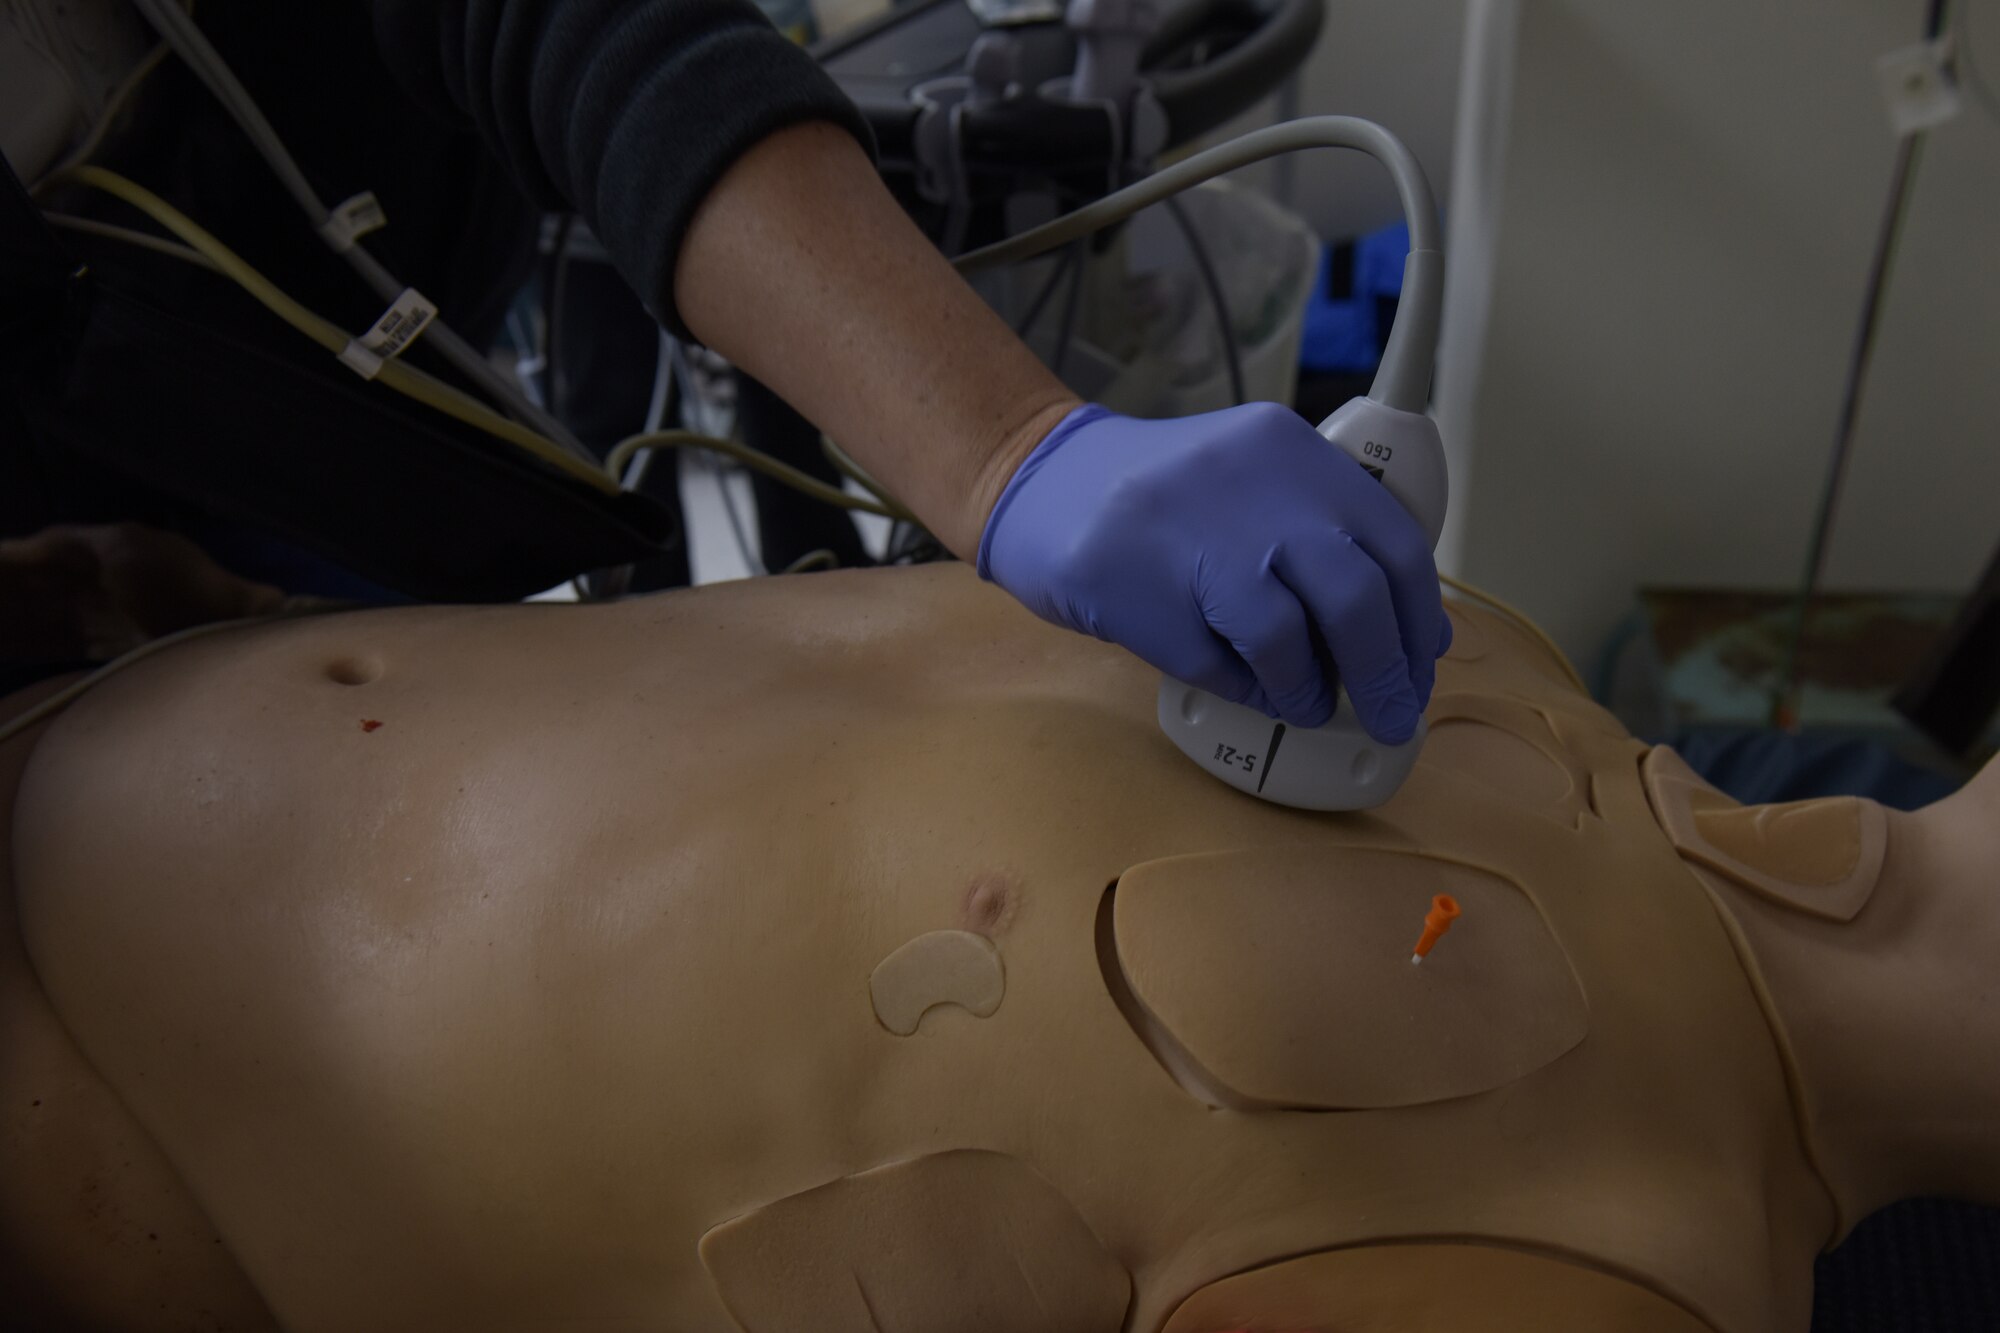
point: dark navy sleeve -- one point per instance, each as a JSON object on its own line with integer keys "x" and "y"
{"x": 627, "y": 111}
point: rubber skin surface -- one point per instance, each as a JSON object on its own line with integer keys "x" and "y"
{"x": 484, "y": 1016}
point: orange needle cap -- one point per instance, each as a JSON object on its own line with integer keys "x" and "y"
{"x": 1444, "y": 911}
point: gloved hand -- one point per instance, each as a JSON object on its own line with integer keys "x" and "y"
{"x": 1233, "y": 551}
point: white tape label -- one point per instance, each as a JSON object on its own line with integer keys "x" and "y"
{"x": 399, "y": 326}
{"x": 1920, "y": 85}
{"x": 352, "y": 220}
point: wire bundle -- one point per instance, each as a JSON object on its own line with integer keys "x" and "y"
{"x": 1403, "y": 380}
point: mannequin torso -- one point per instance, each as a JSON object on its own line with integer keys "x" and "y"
{"x": 855, "y": 953}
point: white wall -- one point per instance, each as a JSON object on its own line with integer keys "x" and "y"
{"x": 1659, "y": 247}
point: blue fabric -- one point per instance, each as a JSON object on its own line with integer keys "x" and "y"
{"x": 1225, "y": 549}
{"x": 1921, "y": 1266}
{"x": 1346, "y": 334}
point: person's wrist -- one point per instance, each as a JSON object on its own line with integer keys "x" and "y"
{"x": 1011, "y": 445}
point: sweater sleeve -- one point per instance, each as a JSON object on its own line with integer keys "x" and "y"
{"x": 626, "y": 111}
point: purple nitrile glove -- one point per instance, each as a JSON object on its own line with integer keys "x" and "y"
{"x": 1233, "y": 551}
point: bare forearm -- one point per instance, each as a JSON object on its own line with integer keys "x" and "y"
{"x": 800, "y": 268}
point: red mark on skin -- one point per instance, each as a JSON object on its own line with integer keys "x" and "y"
{"x": 369, "y": 724}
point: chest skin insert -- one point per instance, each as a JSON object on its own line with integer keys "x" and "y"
{"x": 1284, "y": 976}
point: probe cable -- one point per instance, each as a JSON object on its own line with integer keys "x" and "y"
{"x": 1403, "y": 380}
{"x": 1404, "y": 375}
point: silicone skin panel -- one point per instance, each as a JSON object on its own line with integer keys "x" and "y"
{"x": 941, "y": 967}
{"x": 1820, "y": 857}
{"x": 973, "y": 1242}
{"x": 1285, "y": 976}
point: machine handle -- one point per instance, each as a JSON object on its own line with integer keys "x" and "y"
{"x": 1197, "y": 100}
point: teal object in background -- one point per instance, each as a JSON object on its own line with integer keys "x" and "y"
{"x": 1696, "y": 660}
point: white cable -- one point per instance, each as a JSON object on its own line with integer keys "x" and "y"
{"x": 1312, "y": 132}
{"x": 294, "y": 608}
{"x": 1403, "y": 381}
{"x": 186, "y": 38}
